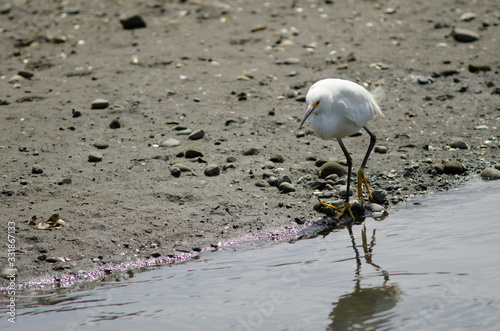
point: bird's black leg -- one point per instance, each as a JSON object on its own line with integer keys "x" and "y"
{"x": 361, "y": 173}
{"x": 347, "y": 205}
{"x": 349, "y": 168}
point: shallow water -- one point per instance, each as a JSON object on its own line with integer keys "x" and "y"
{"x": 432, "y": 265}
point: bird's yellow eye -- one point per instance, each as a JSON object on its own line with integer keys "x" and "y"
{"x": 314, "y": 105}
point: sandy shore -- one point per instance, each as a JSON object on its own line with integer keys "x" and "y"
{"x": 202, "y": 105}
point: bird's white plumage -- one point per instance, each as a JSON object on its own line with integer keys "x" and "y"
{"x": 344, "y": 107}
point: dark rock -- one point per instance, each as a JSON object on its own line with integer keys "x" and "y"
{"x": 453, "y": 167}
{"x": 65, "y": 181}
{"x": 251, "y": 151}
{"x": 424, "y": 80}
{"x": 378, "y": 196}
{"x": 75, "y": 113}
{"x": 212, "y": 170}
{"x": 52, "y": 260}
{"x": 464, "y": 35}
{"x": 476, "y": 67}
{"x": 380, "y": 149}
{"x": 283, "y": 179}
{"x": 277, "y": 158}
{"x": 101, "y": 144}
{"x": 460, "y": 144}
{"x": 273, "y": 181}
{"x": 5, "y": 8}
{"x": 95, "y": 157}
{"x": 175, "y": 171}
{"x": 100, "y": 104}
{"x": 192, "y": 152}
{"x": 36, "y": 169}
{"x": 286, "y": 187}
{"x": 133, "y": 22}
{"x": 26, "y": 74}
{"x": 331, "y": 168}
{"x": 198, "y": 134}
{"x": 115, "y": 124}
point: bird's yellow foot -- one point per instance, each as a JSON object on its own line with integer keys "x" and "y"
{"x": 342, "y": 210}
{"x": 363, "y": 180}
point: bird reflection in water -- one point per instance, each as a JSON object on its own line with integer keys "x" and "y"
{"x": 366, "y": 307}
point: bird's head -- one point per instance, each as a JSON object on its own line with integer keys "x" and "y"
{"x": 317, "y": 98}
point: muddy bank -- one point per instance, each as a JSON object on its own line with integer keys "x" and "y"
{"x": 160, "y": 140}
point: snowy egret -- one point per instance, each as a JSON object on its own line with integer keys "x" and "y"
{"x": 338, "y": 108}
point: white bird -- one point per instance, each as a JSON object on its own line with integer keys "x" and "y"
{"x": 338, "y": 108}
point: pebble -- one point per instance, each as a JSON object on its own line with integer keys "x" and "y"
{"x": 73, "y": 11}
{"x": 7, "y": 272}
{"x": 262, "y": 183}
{"x": 230, "y": 121}
{"x": 198, "y": 134}
{"x": 26, "y": 74}
{"x": 133, "y": 22}
{"x": 481, "y": 127}
{"x": 250, "y": 151}
{"x": 16, "y": 79}
{"x": 464, "y": 35}
{"x": 65, "y": 181}
{"x": 95, "y": 157}
{"x": 115, "y": 124}
{"x": 476, "y": 67}
{"x": 380, "y": 149}
{"x": 184, "y": 132}
{"x": 76, "y": 113}
{"x": 460, "y": 144}
{"x": 101, "y": 144}
{"x": 467, "y": 17}
{"x": 5, "y": 8}
{"x": 182, "y": 167}
{"x": 212, "y": 170}
{"x": 453, "y": 167}
{"x": 379, "y": 196}
{"x": 424, "y": 80}
{"x": 331, "y": 168}
{"x": 374, "y": 207}
{"x": 100, "y": 104}
{"x": 283, "y": 179}
{"x": 192, "y": 152}
{"x": 286, "y": 187}
{"x": 490, "y": 173}
{"x": 343, "y": 190}
{"x": 175, "y": 171}
{"x": 170, "y": 143}
{"x": 52, "y": 260}
{"x": 36, "y": 169}
{"x": 277, "y": 158}
{"x": 289, "y": 61}
{"x": 273, "y": 181}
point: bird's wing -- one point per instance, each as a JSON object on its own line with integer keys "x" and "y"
{"x": 359, "y": 106}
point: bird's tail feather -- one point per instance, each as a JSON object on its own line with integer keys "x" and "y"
{"x": 377, "y": 95}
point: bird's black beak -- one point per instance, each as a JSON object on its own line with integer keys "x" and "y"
{"x": 309, "y": 110}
